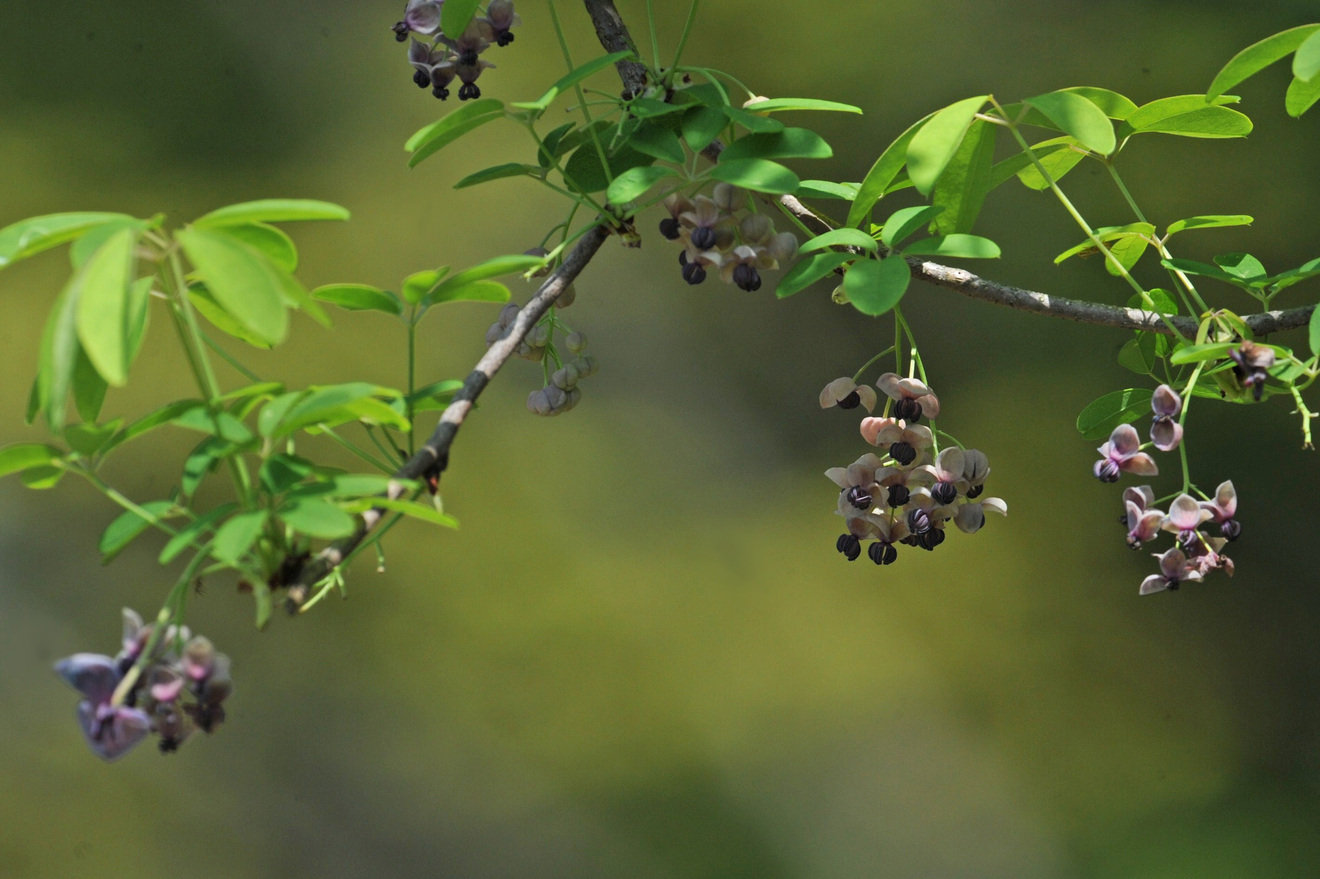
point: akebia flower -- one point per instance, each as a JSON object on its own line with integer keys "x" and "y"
{"x": 970, "y": 517}
{"x": 904, "y": 442}
{"x": 1251, "y": 362}
{"x": 847, "y": 394}
{"x": 111, "y": 730}
{"x": 1143, "y": 522}
{"x": 912, "y": 398}
{"x": 1184, "y": 518}
{"x": 1174, "y": 570}
{"x": 976, "y": 468}
{"x": 420, "y": 17}
{"x": 946, "y": 476}
{"x": 1223, "y": 509}
{"x": 502, "y": 19}
{"x": 1122, "y": 454}
{"x": 1165, "y": 431}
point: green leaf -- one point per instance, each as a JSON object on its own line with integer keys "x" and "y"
{"x": 269, "y": 241}
{"x": 1098, "y": 420}
{"x": 882, "y": 173}
{"x": 810, "y": 270}
{"x": 1188, "y": 116}
{"x": 220, "y": 424}
{"x": 456, "y": 15}
{"x": 88, "y": 388}
{"x": 25, "y": 456}
{"x": 92, "y": 240}
{"x": 934, "y": 145}
{"x": 791, "y": 143}
{"x": 103, "y": 306}
{"x": 359, "y": 297}
{"x": 317, "y": 518}
{"x": 701, "y": 125}
{"x": 128, "y": 527}
{"x": 160, "y": 417}
{"x": 1197, "y": 353}
{"x": 1138, "y": 354}
{"x": 214, "y": 312}
{"x": 59, "y": 356}
{"x": 203, "y": 460}
{"x": 281, "y": 472}
{"x": 758, "y": 175}
{"x": 88, "y": 439}
{"x": 549, "y": 149}
{"x": 962, "y": 188}
{"x": 1301, "y": 96}
{"x": 1283, "y": 280}
{"x": 955, "y": 246}
{"x": 1192, "y": 267}
{"x": 418, "y": 284}
{"x": 1111, "y": 103}
{"x": 779, "y": 105}
{"x": 1209, "y": 221}
{"x": 1061, "y": 159}
{"x": 499, "y": 172}
{"x": 876, "y": 286}
{"x": 35, "y": 234}
{"x": 658, "y": 142}
{"x": 1106, "y": 234}
{"x": 474, "y": 291}
{"x": 272, "y": 210}
{"x": 752, "y": 121}
{"x": 570, "y": 79}
{"x": 438, "y": 135}
{"x": 409, "y": 508}
{"x": 433, "y": 397}
{"x": 1257, "y": 57}
{"x": 828, "y": 189}
{"x": 905, "y": 221}
{"x": 633, "y": 183}
{"x": 584, "y": 173}
{"x": 357, "y": 485}
{"x": 1306, "y": 61}
{"x": 236, "y": 536}
{"x": 189, "y": 533}
{"x": 1313, "y": 328}
{"x": 1243, "y": 266}
{"x": 1079, "y": 117}
{"x": 243, "y": 282}
{"x": 844, "y": 237}
{"x": 491, "y": 268}
{"x": 331, "y": 405}
{"x": 1156, "y": 299}
{"x": 39, "y": 478}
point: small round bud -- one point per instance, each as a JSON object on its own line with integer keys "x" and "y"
{"x": 1231, "y": 529}
{"x": 669, "y": 228}
{"x": 538, "y": 251}
{"x": 586, "y": 365}
{"x": 703, "y": 238}
{"x": 756, "y": 229}
{"x": 576, "y": 342}
{"x": 508, "y": 314}
{"x": 568, "y": 297}
{"x": 422, "y": 78}
{"x": 783, "y": 246}
{"x": 539, "y": 337}
{"x": 694, "y": 273}
{"x": 574, "y": 397}
{"x": 566, "y": 377}
{"x": 538, "y": 403}
{"x": 747, "y": 277}
{"x": 838, "y": 296}
{"x": 728, "y": 198}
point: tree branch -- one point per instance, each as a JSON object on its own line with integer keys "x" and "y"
{"x": 614, "y": 36}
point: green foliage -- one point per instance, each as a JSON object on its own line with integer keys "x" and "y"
{"x": 874, "y": 287}
{"x": 1099, "y": 419}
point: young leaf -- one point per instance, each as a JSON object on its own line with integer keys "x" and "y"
{"x": 1301, "y": 96}
{"x": 572, "y": 78}
{"x": 810, "y": 270}
{"x": 1209, "y": 221}
{"x": 1079, "y": 117}
{"x": 88, "y": 439}
{"x": 1138, "y": 354}
{"x": 409, "y": 508}
{"x": 246, "y": 284}
{"x": 882, "y": 173}
{"x": 438, "y": 135}
{"x": 876, "y": 286}
{"x": 59, "y": 356}
{"x": 269, "y": 241}
{"x": 758, "y": 175}
{"x": 473, "y": 291}
{"x": 1111, "y": 103}
{"x": 828, "y": 189}
{"x": 701, "y": 125}
{"x": 659, "y": 142}
{"x": 1106, "y": 234}
{"x": 753, "y": 121}
{"x": 844, "y": 237}
{"x": 434, "y": 397}
{"x": 1313, "y": 329}
{"x": 331, "y": 405}
{"x": 90, "y": 242}
{"x": 791, "y": 143}
{"x": 88, "y": 388}
{"x": 25, "y": 456}
{"x": 1057, "y": 162}
{"x": 128, "y": 527}
{"x": 317, "y": 518}
{"x": 491, "y": 268}
{"x": 1188, "y": 116}
{"x": 1257, "y": 57}
{"x": 955, "y": 246}
{"x": 779, "y": 105}
{"x": 189, "y": 533}
{"x": 31, "y": 236}
{"x": 215, "y": 313}
{"x": 272, "y": 210}
{"x": 499, "y": 172}
{"x": 236, "y": 536}
{"x": 103, "y": 306}
{"x": 633, "y": 183}
{"x": 40, "y": 478}
{"x": 1197, "y": 353}
{"x": 905, "y": 221}
{"x": 456, "y": 15}
{"x": 935, "y": 144}
{"x": 584, "y": 173}
{"x": 1243, "y": 266}
{"x": 1098, "y": 420}
{"x": 962, "y": 188}
{"x": 359, "y": 297}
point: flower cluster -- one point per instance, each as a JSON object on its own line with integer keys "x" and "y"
{"x": 560, "y": 392}
{"x": 904, "y": 495}
{"x": 717, "y": 233}
{"x": 178, "y": 688}
{"x": 1122, "y": 452}
{"x": 438, "y": 63}
{"x": 1251, "y": 363}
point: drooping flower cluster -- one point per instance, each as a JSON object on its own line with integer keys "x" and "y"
{"x": 717, "y": 232}
{"x": 436, "y": 64}
{"x": 180, "y": 688}
{"x": 560, "y": 392}
{"x": 904, "y": 495}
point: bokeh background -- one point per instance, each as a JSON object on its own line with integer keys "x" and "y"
{"x": 641, "y": 655}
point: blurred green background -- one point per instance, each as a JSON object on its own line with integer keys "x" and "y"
{"x": 641, "y": 655}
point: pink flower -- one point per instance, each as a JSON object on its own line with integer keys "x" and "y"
{"x": 1174, "y": 570}
{"x": 1123, "y": 453}
{"x": 914, "y": 399}
{"x": 1165, "y": 431}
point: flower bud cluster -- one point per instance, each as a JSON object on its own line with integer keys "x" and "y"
{"x": 717, "y": 232}
{"x": 180, "y": 688}
{"x": 1195, "y": 553}
{"x": 904, "y": 495}
{"x": 436, "y": 64}
{"x": 561, "y": 391}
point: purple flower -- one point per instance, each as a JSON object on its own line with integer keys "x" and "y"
{"x": 1165, "y": 431}
{"x": 1143, "y": 521}
{"x": 1174, "y": 570}
{"x": 1250, "y": 364}
{"x": 912, "y": 397}
{"x": 1123, "y": 453}
{"x": 501, "y": 18}
{"x": 1223, "y": 509}
{"x": 421, "y": 16}
{"x": 1184, "y": 518}
{"x": 847, "y": 394}
{"x": 971, "y": 516}
{"x": 111, "y": 730}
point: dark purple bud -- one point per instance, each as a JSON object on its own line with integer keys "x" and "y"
{"x": 976, "y": 491}
{"x": 931, "y": 539}
{"x": 1231, "y": 529}
{"x": 694, "y": 273}
{"x": 400, "y": 29}
{"x": 703, "y": 238}
{"x": 918, "y": 522}
{"x": 908, "y": 410}
{"x": 504, "y": 38}
{"x": 850, "y": 546}
{"x": 440, "y": 92}
{"x": 422, "y": 78}
{"x": 944, "y": 492}
{"x": 882, "y": 553}
{"x": 1106, "y": 471}
{"x": 469, "y": 91}
{"x": 669, "y": 228}
{"x": 852, "y": 401}
{"x": 903, "y": 453}
{"x": 859, "y": 497}
{"x": 747, "y": 277}
{"x": 899, "y": 495}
